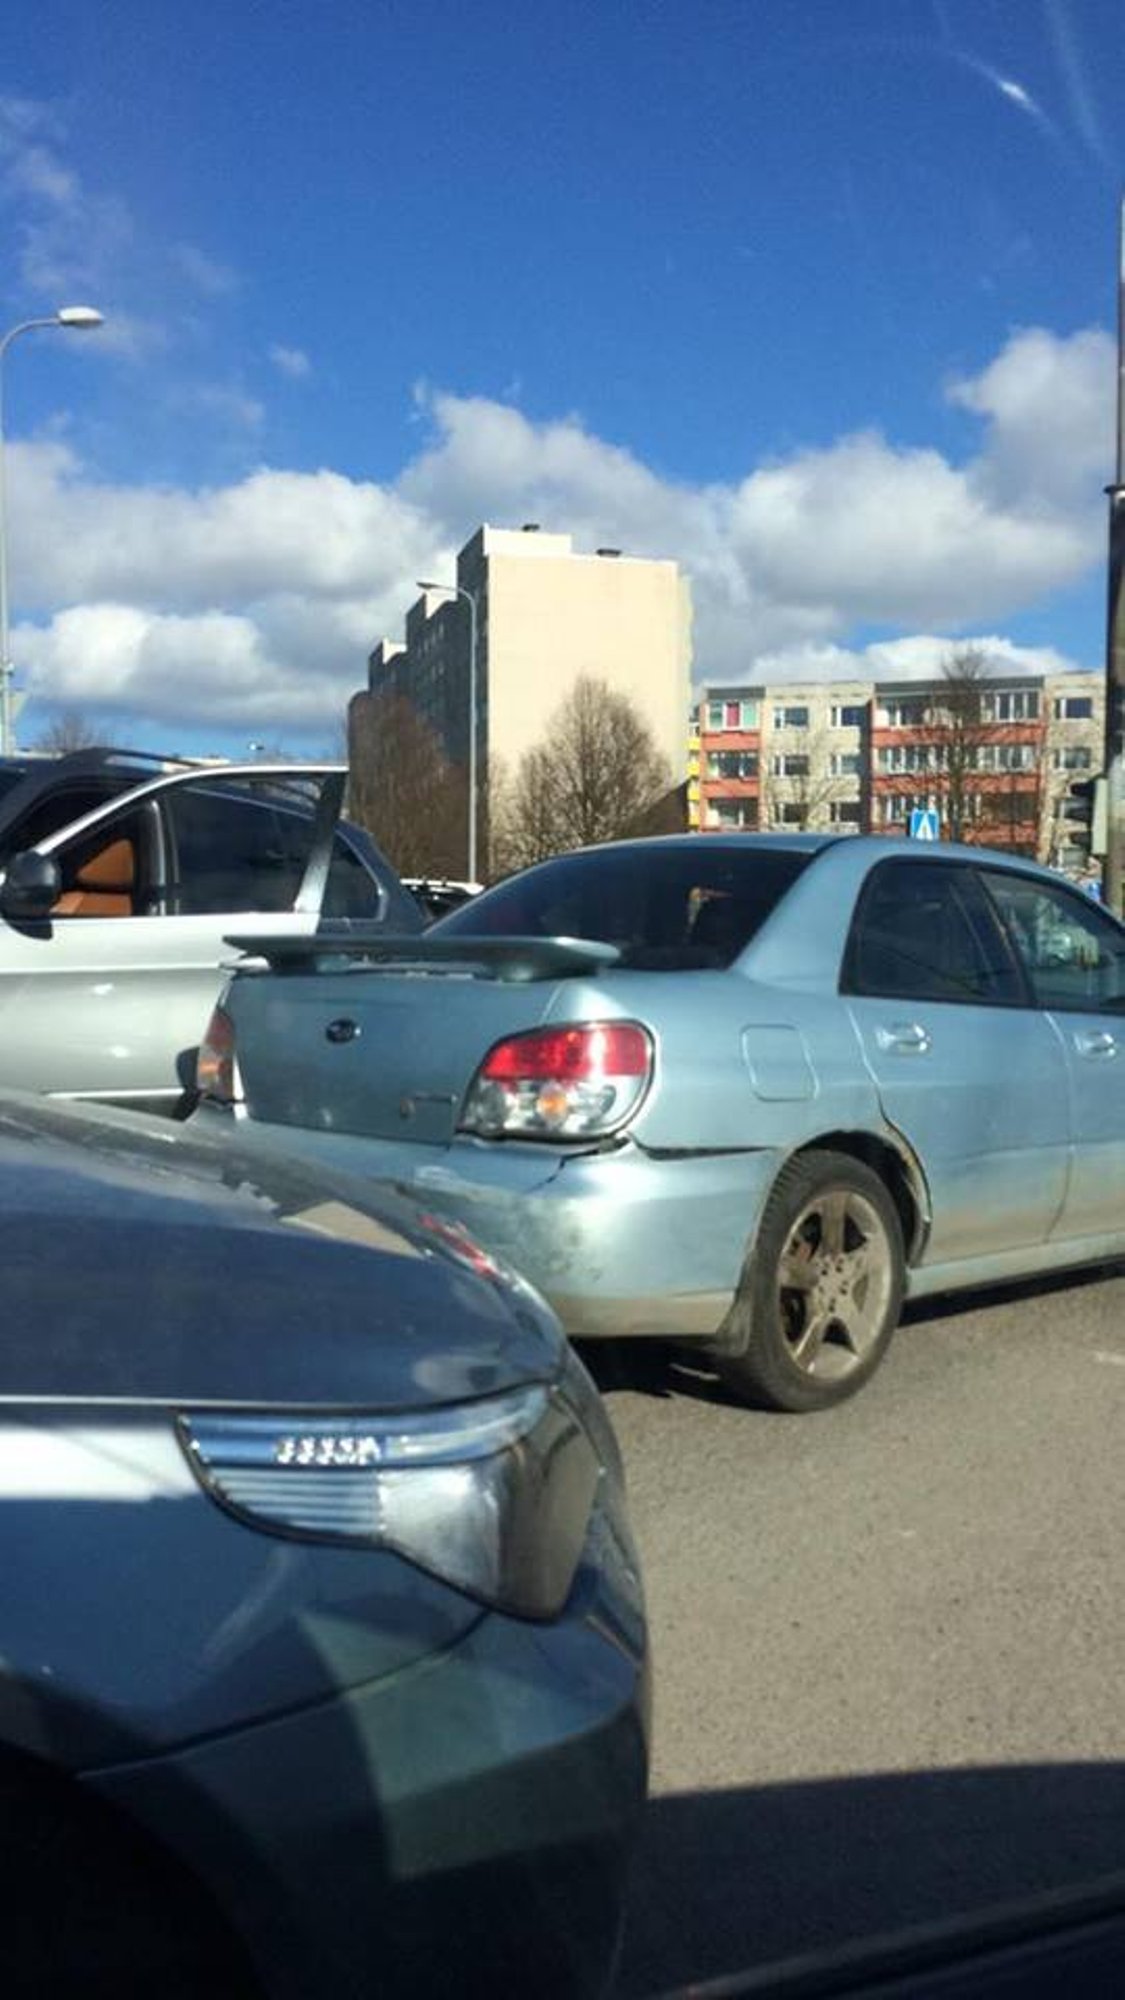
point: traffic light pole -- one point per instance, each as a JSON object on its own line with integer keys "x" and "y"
{"x": 1115, "y": 622}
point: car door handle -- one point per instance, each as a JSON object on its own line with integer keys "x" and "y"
{"x": 904, "y": 1038}
{"x": 1096, "y": 1042}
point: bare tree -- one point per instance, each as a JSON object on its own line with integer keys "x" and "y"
{"x": 974, "y": 767}
{"x": 403, "y": 789}
{"x": 70, "y": 730}
{"x": 959, "y": 726}
{"x": 596, "y": 774}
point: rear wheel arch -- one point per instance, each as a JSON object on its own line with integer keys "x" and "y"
{"x": 900, "y": 1171}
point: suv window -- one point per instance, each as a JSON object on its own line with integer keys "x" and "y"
{"x": 1073, "y": 953}
{"x": 350, "y": 891}
{"x": 232, "y": 853}
{"x": 54, "y": 812}
{"x": 925, "y": 931}
{"x": 666, "y": 908}
{"x": 249, "y": 851}
{"x": 105, "y": 872}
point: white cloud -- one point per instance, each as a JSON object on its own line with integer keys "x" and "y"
{"x": 1045, "y": 402}
{"x": 227, "y": 403}
{"x": 291, "y": 361}
{"x": 71, "y": 242}
{"x": 260, "y": 599}
{"x": 919, "y": 657}
{"x": 69, "y": 237}
{"x": 318, "y": 534}
{"x": 213, "y": 279}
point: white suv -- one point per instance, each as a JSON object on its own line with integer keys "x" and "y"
{"x": 121, "y": 876}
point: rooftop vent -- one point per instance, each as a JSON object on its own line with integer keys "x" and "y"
{"x": 609, "y": 552}
{"x": 530, "y": 528}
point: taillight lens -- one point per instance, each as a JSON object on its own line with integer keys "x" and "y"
{"x": 577, "y": 1082}
{"x": 216, "y": 1067}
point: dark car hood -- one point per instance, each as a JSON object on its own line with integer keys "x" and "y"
{"x": 142, "y": 1262}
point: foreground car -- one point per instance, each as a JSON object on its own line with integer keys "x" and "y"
{"x": 749, "y": 1090}
{"x": 120, "y": 873}
{"x": 322, "y": 1647}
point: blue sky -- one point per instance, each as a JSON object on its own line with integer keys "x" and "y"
{"x": 815, "y": 295}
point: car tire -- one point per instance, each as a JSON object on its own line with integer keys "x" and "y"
{"x": 821, "y": 1290}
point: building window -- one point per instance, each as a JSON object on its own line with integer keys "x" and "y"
{"x": 1075, "y": 757}
{"x": 907, "y": 714}
{"x": 1001, "y": 757}
{"x": 1074, "y": 708}
{"x": 732, "y": 714}
{"x": 898, "y": 809}
{"x": 911, "y": 757}
{"x": 791, "y": 718}
{"x": 845, "y": 764}
{"x": 732, "y": 764}
{"x": 788, "y": 764}
{"x": 844, "y": 812}
{"x": 790, "y": 813}
{"x": 732, "y": 813}
{"x": 1010, "y": 705}
{"x": 849, "y": 715}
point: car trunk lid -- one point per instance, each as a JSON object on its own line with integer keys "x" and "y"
{"x": 364, "y": 1034}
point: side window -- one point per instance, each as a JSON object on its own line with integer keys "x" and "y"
{"x": 1073, "y": 952}
{"x": 350, "y": 890}
{"x": 228, "y": 853}
{"x": 102, "y": 871}
{"x": 55, "y": 812}
{"x": 924, "y": 931}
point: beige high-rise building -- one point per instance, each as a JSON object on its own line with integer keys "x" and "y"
{"x": 544, "y": 616}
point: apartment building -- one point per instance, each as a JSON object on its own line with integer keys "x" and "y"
{"x": 544, "y": 615}
{"x": 784, "y": 757}
{"x": 997, "y": 760}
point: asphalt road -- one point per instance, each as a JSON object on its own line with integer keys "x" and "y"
{"x": 889, "y": 1641}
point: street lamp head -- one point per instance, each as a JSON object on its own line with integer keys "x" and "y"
{"x": 80, "y": 316}
{"x": 421, "y": 583}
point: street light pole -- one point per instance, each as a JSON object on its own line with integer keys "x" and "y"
{"x": 458, "y": 590}
{"x": 77, "y": 317}
{"x": 1115, "y": 621}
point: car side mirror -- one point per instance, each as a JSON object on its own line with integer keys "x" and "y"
{"x": 32, "y": 885}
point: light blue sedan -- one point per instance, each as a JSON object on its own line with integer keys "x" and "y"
{"x": 748, "y": 1090}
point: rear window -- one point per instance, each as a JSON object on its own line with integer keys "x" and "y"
{"x": 667, "y": 909}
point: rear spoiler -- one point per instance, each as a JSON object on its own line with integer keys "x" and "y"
{"x": 506, "y": 958}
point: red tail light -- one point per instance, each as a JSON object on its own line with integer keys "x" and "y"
{"x": 575, "y": 1082}
{"x": 216, "y": 1068}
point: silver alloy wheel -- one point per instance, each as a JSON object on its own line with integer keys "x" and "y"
{"x": 835, "y": 1278}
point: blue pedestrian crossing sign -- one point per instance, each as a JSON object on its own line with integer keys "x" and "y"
{"x": 924, "y": 823}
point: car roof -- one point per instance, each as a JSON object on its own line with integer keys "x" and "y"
{"x": 689, "y": 843}
{"x": 869, "y": 845}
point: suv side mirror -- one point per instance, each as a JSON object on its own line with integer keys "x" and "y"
{"x": 32, "y": 885}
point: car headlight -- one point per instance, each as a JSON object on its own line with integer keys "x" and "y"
{"x": 492, "y": 1496}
